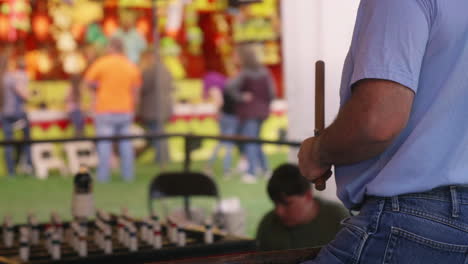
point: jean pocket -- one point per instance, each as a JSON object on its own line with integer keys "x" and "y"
{"x": 347, "y": 245}
{"x": 406, "y": 247}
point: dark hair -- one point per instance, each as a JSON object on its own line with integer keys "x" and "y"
{"x": 248, "y": 57}
{"x": 116, "y": 43}
{"x": 286, "y": 181}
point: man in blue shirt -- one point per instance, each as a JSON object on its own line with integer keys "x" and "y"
{"x": 399, "y": 142}
{"x": 13, "y": 113}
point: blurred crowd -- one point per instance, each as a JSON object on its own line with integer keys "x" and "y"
{"x": 127, "y": 83}
{"x": 243, "y": 103}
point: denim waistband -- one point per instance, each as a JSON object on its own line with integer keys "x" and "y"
{"x": 456, "y": 195}
{"x": 444, "y": 193}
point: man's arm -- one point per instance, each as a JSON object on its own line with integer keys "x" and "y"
{"x": 137, "y": 83}
{"x": 234, "y": 87}
{"x": 271, "y": 86}
{"x": 376, "y": 113}
{"x": 217, "y": 97}
{"x": 90, "y": 82}
{"x": 22, "y": 90}
{"x": 91, "y": 76}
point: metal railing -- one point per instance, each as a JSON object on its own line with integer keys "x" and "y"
{"x": 190, "y": 141}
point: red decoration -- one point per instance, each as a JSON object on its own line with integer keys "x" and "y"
{"x": 40, "y": 26}
{"x": 63, "y": 124}
{"x": 110, "y": 26}
{"x": 78, "y": 31}
{"x": 143, "y": 26}
{"x": 4, "y": 27}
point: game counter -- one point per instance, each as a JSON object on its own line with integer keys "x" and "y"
{"x": 293, "y": 256}
{"x": 114, "y": 239}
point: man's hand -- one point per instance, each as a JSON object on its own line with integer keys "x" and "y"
{"x": 310, "y": 165}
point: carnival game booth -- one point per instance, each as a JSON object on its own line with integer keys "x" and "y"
{"x": 92, "y": 235}
{"x": 60, "y": 38}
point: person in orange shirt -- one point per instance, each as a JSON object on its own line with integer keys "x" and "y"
{"x": 116, "y": 81}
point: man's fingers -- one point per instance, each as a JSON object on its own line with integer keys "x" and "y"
{"x": 301, "y": 164}
{"x": 321, "y": 183}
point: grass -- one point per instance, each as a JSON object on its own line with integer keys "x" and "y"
{"x": 23, "y": 194}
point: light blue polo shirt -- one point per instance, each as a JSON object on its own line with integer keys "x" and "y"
{"x": 423, "y": 45}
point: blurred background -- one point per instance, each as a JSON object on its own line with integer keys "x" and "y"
{"x": 58, "y": 40}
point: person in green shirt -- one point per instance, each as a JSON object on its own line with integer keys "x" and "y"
{"x": 298, "y": 219}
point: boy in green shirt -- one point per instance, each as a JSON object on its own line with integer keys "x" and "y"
{"x": 298, "y": 219}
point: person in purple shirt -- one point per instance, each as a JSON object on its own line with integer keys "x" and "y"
{"x": 253, "y": 88}
{"x": 399, "y": 142}
{"x": 213, "y": 82}
{"x": 215, "y": 87}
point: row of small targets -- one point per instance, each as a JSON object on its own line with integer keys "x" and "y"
{"x": 55, "y": 235}
{"x": 150, "y": 231}
{"x": 127, "y": 231}
{"x": 29, "y": 236}
{"x": 103, "y": 231}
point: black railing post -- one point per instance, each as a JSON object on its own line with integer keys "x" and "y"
{"x": 187, "y": 152}
{"x": 187, "y": 162}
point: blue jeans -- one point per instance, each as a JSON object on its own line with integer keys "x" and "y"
{"x": 161, "y": 148}
{"x": 7, "y": 124}
{"x": 229, "y": 125}
{"x": 421, "y": 228}
{"x": 253, "y": 151}
{"x": 114, "y": 125}
{"x": 78, "y": 120}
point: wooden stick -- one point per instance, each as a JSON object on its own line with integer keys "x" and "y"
{"x": 319, "y": 97}
{"x": 320, "y": 183}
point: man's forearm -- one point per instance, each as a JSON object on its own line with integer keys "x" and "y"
{"x": 367, "y": 124}
{"x": 23, "y": 92}
{"x": 345, "y": 142}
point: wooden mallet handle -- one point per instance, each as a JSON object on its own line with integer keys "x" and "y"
{"x": 320, "y": 183}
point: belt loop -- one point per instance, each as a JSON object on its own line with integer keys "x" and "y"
{"x": 455, "y": 206}
{"x": 395, "y": 204}
{"x": 352, "y": 212}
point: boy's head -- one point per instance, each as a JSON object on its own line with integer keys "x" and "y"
{"x": 292, "y": 195}
{"x": 115, "y": 45}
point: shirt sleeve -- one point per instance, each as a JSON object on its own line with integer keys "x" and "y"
{"x": 21, "y": 85}
{"x": 389, "y": 41}
{"x": 233, "y": 87}
{"x": 271, "y": 86}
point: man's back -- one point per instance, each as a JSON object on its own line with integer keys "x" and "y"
{"x": 116, "y": 78}
{"x": 156, "y": 94}
{"x": 423, "y": 45}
